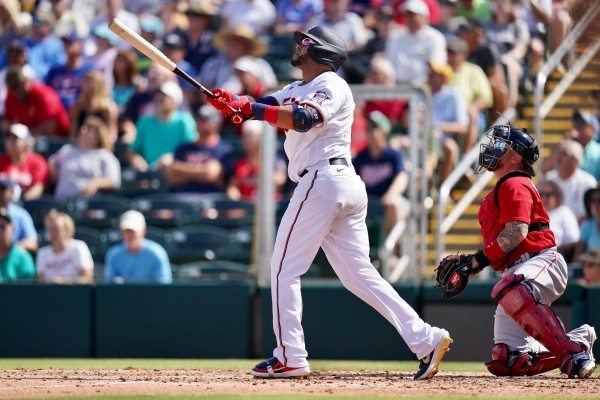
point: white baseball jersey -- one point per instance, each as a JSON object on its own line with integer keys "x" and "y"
{"x": 66, "y": 264}
{"x": 328, "y": 210}
{"x": 331, "y": 96}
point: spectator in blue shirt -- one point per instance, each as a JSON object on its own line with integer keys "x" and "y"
{"x": 381, "y": 167}
{"x": 25, "y": 235}
{"x": 137, "y": 259}
{"x": 66, "y": 79}
{"x": 45, "y": 50}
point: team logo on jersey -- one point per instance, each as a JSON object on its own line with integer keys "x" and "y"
{"x": 320, "y": 97}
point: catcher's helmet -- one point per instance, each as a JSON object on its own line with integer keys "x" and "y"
{"x": 326, "y": 48}
{"x": 502, "y": 138}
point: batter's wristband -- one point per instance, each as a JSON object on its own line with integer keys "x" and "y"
{"x": 265, "y": 112}
{"x": 482, "y": 260}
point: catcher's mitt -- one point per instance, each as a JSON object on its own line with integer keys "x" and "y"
{"x": 453, "y": 275}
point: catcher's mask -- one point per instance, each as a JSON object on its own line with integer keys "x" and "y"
{"x": 502, "y": 138}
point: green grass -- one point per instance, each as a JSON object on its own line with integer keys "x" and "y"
{"x": 95, "y": 363}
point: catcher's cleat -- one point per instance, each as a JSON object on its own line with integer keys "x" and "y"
{"x": 429, "y": 365}
{"x": 273, "y": 368}
{"x": 579, "y": 365}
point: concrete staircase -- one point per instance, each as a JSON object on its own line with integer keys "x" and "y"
{"x": 464, "y": 237}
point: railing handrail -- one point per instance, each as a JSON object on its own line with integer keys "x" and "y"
{"x": 567, "y": 46}
{"x": 443, "y": 222}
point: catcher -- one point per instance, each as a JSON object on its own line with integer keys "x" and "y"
{"x": 529, "y": 338}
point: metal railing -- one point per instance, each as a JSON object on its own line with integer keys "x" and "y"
{"x": 575, "y": 66}
{"x": 445, "y": 222}
{"x": 416, "y": 223}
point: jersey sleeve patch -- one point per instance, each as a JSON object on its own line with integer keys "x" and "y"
{"x": 319, "y": 97}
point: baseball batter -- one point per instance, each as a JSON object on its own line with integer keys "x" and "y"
{"x": 327, "y": 209}
{"x": 529, "y": 338}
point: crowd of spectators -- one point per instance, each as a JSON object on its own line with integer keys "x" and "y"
{"x": 65, "y": 77}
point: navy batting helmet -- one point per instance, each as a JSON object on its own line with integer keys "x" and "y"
{"x": 502, "y": 138}
{"x": 326, "y": 47}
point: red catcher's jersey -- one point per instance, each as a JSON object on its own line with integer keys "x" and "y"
{"x": 519, "y": 201}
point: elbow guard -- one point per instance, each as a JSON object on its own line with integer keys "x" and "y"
{"x": 305, "y": 118}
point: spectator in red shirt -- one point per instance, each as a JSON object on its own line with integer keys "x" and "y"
{"x": 21, "y": 165}
{"x": 244, "y": 182}
{"x": 35, "y": 105}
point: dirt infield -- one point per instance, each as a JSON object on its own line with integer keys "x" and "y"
{"x": 21, "y": 383}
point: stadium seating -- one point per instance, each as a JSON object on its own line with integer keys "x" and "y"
{"x": 200, "y": 243}
{"x": 46, "y": 146}
{"x": 210, "y": 270}
{"x": 169, "y": 210}
{"x": 101, "y": 211}
{"x": 228, "y": 213}
{"x": 38, "y": 208}
{"x": 135, "y": 183}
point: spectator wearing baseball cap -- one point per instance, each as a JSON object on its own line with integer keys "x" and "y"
{"x": 450, "y": 116}
{"x": 27, "y": 169}
{"x": 137, "y": 259}
{"x": 45, "y": 49}
{"x": 432, "y": 10}
{"x": 471, "y": 82}
{"x": 24, "y": 233}
{"x": 382, "y": 169}
{"x": 16, "y": 264}
{"x": 199, "y": 34}
{"x": 175, "y": 49}
{"x": 486, "y": 56}
{"x": 591, "y": 267}
{"x": 201, "y": 166}
{"x": 16, "y": 55}
{"x": 586, "y": 131}
{"x": 412, "y": 48}
{"x": 66, "y": 79}
{"x": 160, "y": 133}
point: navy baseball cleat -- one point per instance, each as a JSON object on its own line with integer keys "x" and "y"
{"x": 429, "y": 365}
{"x": 579, "y": 365}
{"x": 273, "y": 368}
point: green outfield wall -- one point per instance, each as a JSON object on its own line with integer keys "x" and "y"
{"x": 234, "y": 320}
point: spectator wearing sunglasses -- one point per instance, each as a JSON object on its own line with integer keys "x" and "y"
{"x": 562, "y": 220}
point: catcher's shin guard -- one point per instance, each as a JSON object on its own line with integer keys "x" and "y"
{"x": 515, "y": 296}
{"x": 507, "y": 363}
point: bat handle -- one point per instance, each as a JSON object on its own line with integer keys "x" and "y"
{"x": 177, "y": 71}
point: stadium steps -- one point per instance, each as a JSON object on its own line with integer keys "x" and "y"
{"x": 464, "y": 236}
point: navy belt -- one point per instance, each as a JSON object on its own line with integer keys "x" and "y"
{"x": 332, "y": 161}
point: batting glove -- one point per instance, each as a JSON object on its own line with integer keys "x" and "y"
{"x": 221, "y": 98}
{"x": 238, "y": 111}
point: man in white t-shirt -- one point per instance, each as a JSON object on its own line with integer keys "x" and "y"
{"x": 573, "y": 181}
{"x": 411, "y": 49}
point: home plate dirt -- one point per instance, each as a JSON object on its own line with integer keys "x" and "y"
{"x": 27, "y": 383}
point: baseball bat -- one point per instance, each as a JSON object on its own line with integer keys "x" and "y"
{"x": 128, "y": 35}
